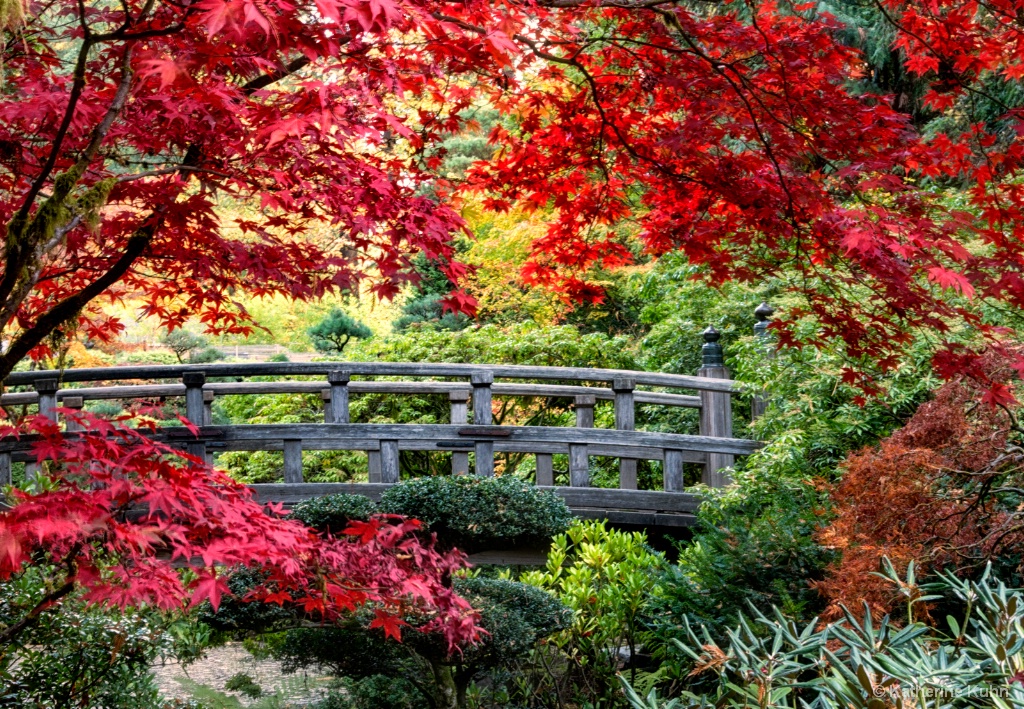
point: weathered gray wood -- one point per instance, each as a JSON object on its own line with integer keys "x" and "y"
{"x": 646, "y": 520}
{"x": 366, "y": 436}
{"x": 292, "y": 461}
{"x": 413, "y": 369}
{"x": 389, "y": 461}
{"x": 5, "y": 468}
{"x": 194, "y": 382}
{"x": 339, "y": 379}
{"x": 545, "y": 469}
{"x": 579, "y": 466}
{"x": 47, "y": 391}
{"x": 484, "y": 451}
{"x": 152, "y": 391}
{"x": 716, "y": 422}
{"x": 373, "y": 465}
{"x": 510, "y": 557}
{"x": 310, "y": 432}
{"x": 625, "y": 420}
{"x": 208, "y": 407}
{"x": 325, "y": 397}
{"x": 579, "y": 460}
{"x": 575, "y": 497}
{"x": 673, "y": 471}
{"x": 75, "y": 403}
{"x": 459, "y": 414}
{"x": 584, "y": 405}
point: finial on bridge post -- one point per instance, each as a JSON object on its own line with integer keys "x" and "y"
{"x": 711, "y": 353}
{"x": 763, "y": 312}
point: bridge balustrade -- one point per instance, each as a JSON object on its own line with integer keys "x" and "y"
{"x": 469, "y": 388}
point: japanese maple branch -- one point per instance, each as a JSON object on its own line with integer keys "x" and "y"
{"x": 66, "y": 309}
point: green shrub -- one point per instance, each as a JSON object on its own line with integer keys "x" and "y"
{"x": 514, "y": 615}
{"x": 76, "y": 656}
{"x": 333, "y": 512}
{"x": 474, "y": 513}
{"x": 245, "y": 684}
{"x": 606, "y": 577}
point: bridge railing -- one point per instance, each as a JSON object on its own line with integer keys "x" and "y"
{"x": 470, "y": 390}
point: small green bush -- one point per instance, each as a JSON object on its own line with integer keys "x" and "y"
{"x": 245, "y": 684}
{"x": 474, "y": 513}
{"x": 332, "y": 513}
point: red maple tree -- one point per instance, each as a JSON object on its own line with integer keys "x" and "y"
{"x": 117, "y": 515}
{"x": 734, "y": 135}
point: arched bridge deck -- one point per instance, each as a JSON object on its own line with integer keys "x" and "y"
{"x": 470, "y": 391}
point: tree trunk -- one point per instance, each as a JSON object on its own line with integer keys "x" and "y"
{"x": 447, "y": 692}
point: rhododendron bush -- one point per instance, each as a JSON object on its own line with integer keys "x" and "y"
{"x": 128, "y": 521}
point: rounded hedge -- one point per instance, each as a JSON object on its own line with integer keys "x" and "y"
{"x": 332, "y": 513}
{"x": 475, "y": 514}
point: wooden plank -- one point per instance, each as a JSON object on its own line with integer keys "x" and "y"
{"x": 338, "y": 379}
{"x": 638, "y": 519}
{"x": 545, "y": 470}
{"x": 365, "y": 437}
{"x": 579, "y": 466}
{"x": 413, "y": 369}
{"x": 159, "y": 391}
{"x": 716, "y": 420}
{"x": 312, "y": 432}
{"x": 389, "y": 462}
{"x": 373, "y": 466}
{"x": 293, "y": 461}
{"x": 672, "y": 472}
{"x": 458, "y": 401}
{"x": 510, "y": 557}
{"x": 575, "y": 497}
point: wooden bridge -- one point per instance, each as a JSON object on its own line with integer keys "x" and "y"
{"x": 470, "y": 391}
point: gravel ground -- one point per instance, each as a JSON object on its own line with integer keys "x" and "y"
{"x": 296, "y": 690}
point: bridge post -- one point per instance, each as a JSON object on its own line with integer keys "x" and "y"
{"x": 459, "y": 402}
{"x": 579, "y": 460}
{"x": 763, "y": 312}
{"x": 208, "y": 407}
{"x": 373, "y": 466}
{"x": 194, "y": 407}
{"x": 5, "y": 469}
{"x": 47, "y": 389}
{"x": 73, "y": 402}
{"x": 389, "y": 461}
{"x": 673, "y": 471}
{"x": 625, "y": 420}
{"x": 716, "y": 409}
{"x": 482, "y": 416}
{"x": 545, "y": 469}
{"x": 339, "y": 380}
{"x": 293, "y": 460}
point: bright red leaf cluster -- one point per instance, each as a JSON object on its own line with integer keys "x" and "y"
{"x": 121, "y": 514}
{"x": 737, "y": 135}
